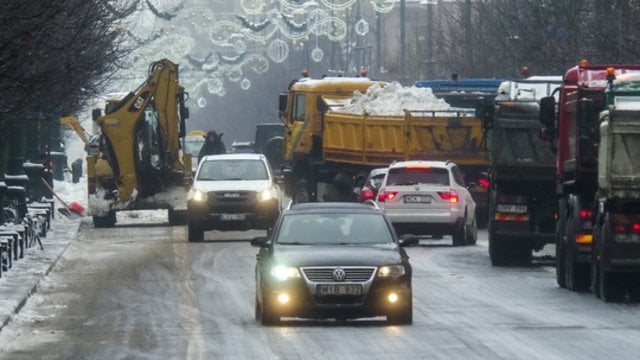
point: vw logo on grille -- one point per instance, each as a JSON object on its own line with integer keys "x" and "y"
{"x": 231, "y": 195}
{"x": 339, "y": 274}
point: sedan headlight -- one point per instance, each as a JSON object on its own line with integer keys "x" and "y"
{"x": 267, "y": 194}
{"x": 391, "y": 271}
{"x": 197, "y": 195}
{"x": 282, "y": 273}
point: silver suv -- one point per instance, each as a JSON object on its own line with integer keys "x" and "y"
{"x": 429, "y": 198}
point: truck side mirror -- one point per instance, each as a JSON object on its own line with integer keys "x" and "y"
{"x": 548, "y": 111}
{"x": 95, "y": 114}
{"x": 585, "y": 117}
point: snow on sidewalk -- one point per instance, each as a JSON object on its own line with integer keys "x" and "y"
{"x": 23, "y": 279}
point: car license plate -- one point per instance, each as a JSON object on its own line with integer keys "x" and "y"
{"x": 352, "y": 290}
{"x": 232, "y": 217}
{"x": 514, "y": 209}
{"x": 417, "y": 199}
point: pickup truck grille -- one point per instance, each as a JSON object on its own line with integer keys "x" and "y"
{"x": 325, "y": 274}
{"x": 229, "y": 200}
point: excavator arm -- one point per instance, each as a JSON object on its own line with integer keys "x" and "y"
{"x": 160, "y": 96}
{"x": 73, "y": 122}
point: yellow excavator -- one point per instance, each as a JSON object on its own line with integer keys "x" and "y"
{"x": 137, "y": 163}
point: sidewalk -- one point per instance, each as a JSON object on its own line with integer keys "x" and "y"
{"x": 17, "y": 284}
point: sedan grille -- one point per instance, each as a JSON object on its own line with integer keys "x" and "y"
{"x": 325, "y": 274}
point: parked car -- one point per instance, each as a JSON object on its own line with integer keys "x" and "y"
{"x": 332, "y": 260}
{"x": 429, "y": 198}
{"x": 369, "y": 190}
{"x": 232, "y": 192}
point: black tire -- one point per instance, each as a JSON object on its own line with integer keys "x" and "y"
{"x": 403, "y": 317}
{"x": 577, "y": 275}
{"x": 522, "y": 253}
{"x": 634, "y": 287}
{"x": 302, "y": 192}
{"x": 472, "y": 232}
{"x": 498, "y": 252}
{"x": 460, "y": 235}
{"x": 196, "y": 233}
{"x": 106, "y": 221}
{"x": 561, "y": 277}
{"x": 178, "y": 217}
{"x": 612, "y": 286}
{"x": 266, "y": 314}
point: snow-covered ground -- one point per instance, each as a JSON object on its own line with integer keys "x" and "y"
{"x": 393, "y": 99}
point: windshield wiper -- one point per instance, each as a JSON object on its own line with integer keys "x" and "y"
{"x": 290, "y": 243}
{"x": 407, "y": 183}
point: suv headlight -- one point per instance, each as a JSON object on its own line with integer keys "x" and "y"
{"x": 391, "y": 271}
{"x": 267, "y": 194}
{"x": 197, "y": 195}
{"x": 282, "y": 273}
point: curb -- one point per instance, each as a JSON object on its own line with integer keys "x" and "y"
{"x": 22, "y": 299}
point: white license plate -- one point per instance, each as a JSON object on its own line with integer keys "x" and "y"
{"x": 417, "y": 199}
{"x": 514, "y": 209}
{"x": 352, "y": 290}
{"x": 232, "y": 217}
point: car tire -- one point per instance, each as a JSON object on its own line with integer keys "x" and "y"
{"x": 634, "y": 287}
{"x": 472, "y": 232}
{"x": 561, "y": 278}
{"x": 266, "y": 315}
{"x": 403, "y": 317}
{"x": 177, "y": 217}
{"x": 106, "y": 221}
{"x": 460, "y": 235}
{"x": 196, "y": 233}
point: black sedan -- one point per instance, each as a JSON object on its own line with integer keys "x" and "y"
{"x": 332, "y": 260}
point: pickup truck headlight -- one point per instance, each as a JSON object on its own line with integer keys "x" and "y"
{"x": 197, "y": 195}
{"x": 391, "y": 271}
{"x": 267, "y": 194}
{"x": 282, "y": 273}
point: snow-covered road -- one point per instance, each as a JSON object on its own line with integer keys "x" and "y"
{"x": 140, "y": 291}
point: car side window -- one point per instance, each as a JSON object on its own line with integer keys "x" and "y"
{"x": 457, "y": 176}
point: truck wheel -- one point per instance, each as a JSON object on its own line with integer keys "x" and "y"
{"x": 577, "y": 275}
{"x": 561, "y": 277}
{"x": 521, "y": 253}
{"x": 106, "y": 221}
{"x": 302, "y": 192}
{"x": 196, "y": 233}
{"x": 177, "y": 217}
{"x": 497, "y": 250}
{"x": 612, "y": 286}
{"x": 634, "y": 287}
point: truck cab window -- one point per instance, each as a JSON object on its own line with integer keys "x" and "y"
{"x": 299, "y": 107}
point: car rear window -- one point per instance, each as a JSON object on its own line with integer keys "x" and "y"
{"x": 418, "y": 175}
{"x": 326, "y": 229}
{"x": 236, "y": 169}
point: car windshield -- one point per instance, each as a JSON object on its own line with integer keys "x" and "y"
{"x": 328, "y": 229}
{"x": 233, "y": 169}
{"x": 418, "y": 175}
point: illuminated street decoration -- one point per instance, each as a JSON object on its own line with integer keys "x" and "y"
{"x": 236, "y": 46}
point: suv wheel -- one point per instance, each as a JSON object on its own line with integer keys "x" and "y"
{"x": 196, "y": 233}
{"x": 472, "y": 232}
{"x": 460, "y": 234}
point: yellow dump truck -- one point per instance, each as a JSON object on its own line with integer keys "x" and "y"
{"x": 329, "y": 153}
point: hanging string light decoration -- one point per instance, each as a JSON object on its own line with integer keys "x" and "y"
{"x": 382, "y": 6}
{"x": 361, "y": 27}
{"x": 245, "y": 84}
{"x": 278, "y": 51}
{"x": 253, "y": 7}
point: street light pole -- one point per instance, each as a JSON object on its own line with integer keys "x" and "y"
{"x": 430, "y": 62}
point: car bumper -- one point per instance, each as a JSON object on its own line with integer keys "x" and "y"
{"x": 260, "y": 216}
{"x": 412, "y": 222}
{"x": 375, "y": 302}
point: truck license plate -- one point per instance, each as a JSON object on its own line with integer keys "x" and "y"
{"x": 350, "y": 290}
{"x": 425, "y": 199}
{"x": 232, "y": 217}
{"x": 509, "y": 208}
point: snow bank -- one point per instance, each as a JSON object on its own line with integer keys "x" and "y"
{"x": 393, "y": 99}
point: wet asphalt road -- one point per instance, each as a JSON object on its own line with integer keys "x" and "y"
{"x": 140, "y": 291}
